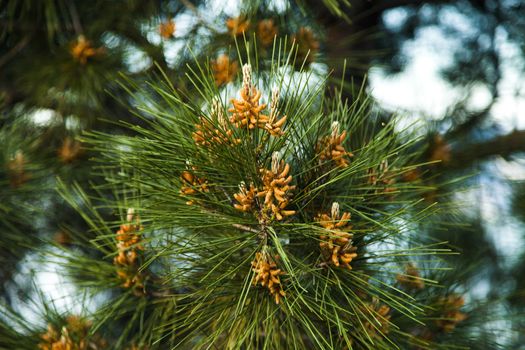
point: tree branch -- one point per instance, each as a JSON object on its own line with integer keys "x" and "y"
{"x": 14, "y": 50}
{"x": 504, "y": 146}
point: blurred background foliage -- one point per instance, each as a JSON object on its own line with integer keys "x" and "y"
{"x": 454, "y": 67}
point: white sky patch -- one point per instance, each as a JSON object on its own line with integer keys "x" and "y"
{"x": 172, "y": 50}
{"x": 495, "y": 210}
{"x": 49, "y": 278}
{"x": 419, "y": 88}
{"x": 44, "y": 116}
{"x": 230, "y": 8}
{"x": 509, "y": 110}
{"x": 137, "y": 60}
{"x": 395, "y": 17}
{"x": 513, "y": 170}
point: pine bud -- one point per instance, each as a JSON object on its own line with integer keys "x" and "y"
{"x": 276, "y": 160}
{"x": 131, "y": 213}
{"x": 247, "y": 78}
{"x": 335, "y": 130}
{"x": 335, "y": 211}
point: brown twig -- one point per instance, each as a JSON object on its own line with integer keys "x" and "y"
{"x": 16, "y": 49}
{"x": 246, "y": 228}
{"x": 502, "y": 146}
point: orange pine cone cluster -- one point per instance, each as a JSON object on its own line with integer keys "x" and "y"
{"x": 336, "y": 246}
{"x": 191, "y": 185}
{"x": 237, "y": 25}
{"x": 247, "y": 111}
{"x": 266, "y": 31}
{"x": 72, "y": 336}
{"x": 208, "y": 134}
{"x": 307, "y": 44}
{"x": 268, "y": 275}
{"x": 223, "y": 70}
{"x": 274, "y": 125}
{"x": 246, "y": 198}
{"x": 451, "y": 315}
{"x": 128, "y": 244}
{"x": 16, "y": 170}
{"x": 276, "y": 191}
{"x": 412, "y": 175}
{"x": 382, "y": 177}
{"x": 331, "y": 148}
{"x": 377, "y": 324}
{"x": 411, "y": 278}
{"x": 276, "y": 187}
{"x": 82, "y": 50}
{"x": 69, "y": 150}
{"x": 167, "y": 29}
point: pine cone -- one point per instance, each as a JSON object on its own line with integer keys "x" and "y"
{"x": 276, "y": 187}
{"x": 451, "y": 315}
{"x": 223, "y": 70}
{"x": 237, "y": 25}
{"x": 82, "y": 50}
{"x": 331, "y": 148}
{"x": 266, "y": 31}
{"x": 167, "y": 29}
{"x": 411, "y": 279}
{"x": 267, "y": 275}
{"x": 337, "y": 247}
{"x": 245, "y": 197}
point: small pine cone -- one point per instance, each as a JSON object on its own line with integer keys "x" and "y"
{"x": 451, "y": 315}
{"x": 72, "y": 336}
{"x": 82, "y": 50}
{"x": 16, "y": 170}
{"x": 128, "y": 235}
{"x": 331, "y": 148}
{"x": 246, "y": 112}
{"x": 223, "y": 70}
{"x": 307, "y": 45}
{"x": 336, "y": 245}
{"x": 266, "y": 31}
{"x": 167, "y": 29}
{"x": 280, "y": 212}
{"x": 125, "y": 257}
{"x": 274, "y": 125}
{"x": 207, "y": 134}
{"x": 128, "y": 243}
{"x": 276, "y": 188}
{"x": 192, "y": 184}
{"x": 342, "y": 256}
{"x": 69, "y": 150}
{"x": 237, "y": 25}
{"x": 411, "y": 278}
{"x": 268, "y": 275}
{"x": 381, "y": 314}
{"x": 382, "y": 177}
{"x": 246, "y": 198}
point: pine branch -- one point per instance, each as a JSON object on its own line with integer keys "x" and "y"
{"x": 14, "y": 50}
{"x": 504, "y": 146}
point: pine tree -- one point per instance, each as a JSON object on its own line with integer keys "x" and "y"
{"x": 237, "y": 198}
